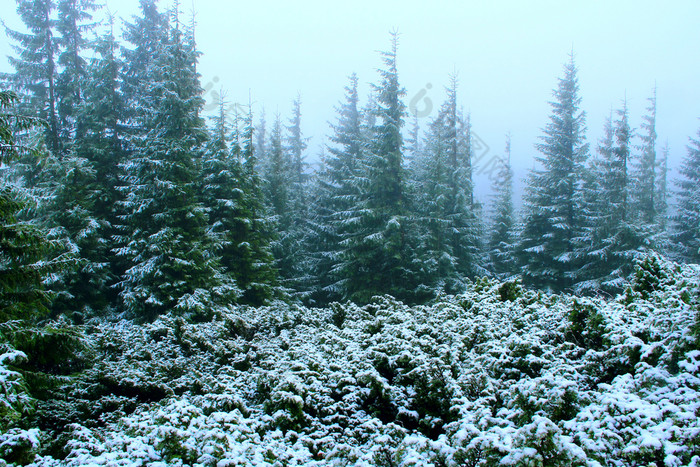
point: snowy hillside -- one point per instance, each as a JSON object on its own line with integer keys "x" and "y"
{"x": 495, "y": 376}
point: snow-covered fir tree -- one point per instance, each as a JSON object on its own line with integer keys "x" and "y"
{"x": 501, "y": 243}
{"x": 172, "y": 264}
{"x": 378, "y": 250}
{"x": 644, "y": 186}
{"x": 294, "y": 238}
{"x": 65, "y": 182}
{"x": 662, "y": 193}
{"x": 619, "y": 235}
{"x": 27, "y": 256}
{"x": 686, "y": 222}
{"x": 338, "y": 190}
{"x": 589, "y": 247}
{"x": 145, "y": 34}
{"x": 444, "y": 199}
{"x": 286, "y": 188}
{"x": 552, "y": 222}
{"x": 101, "y": 142}
{"x": 256, "y": 271}
{"x": 275, "y": 168}
{"x": 74, "y": 25}
{"x": 232, "y": 195}
{"x": 36, "y": 67}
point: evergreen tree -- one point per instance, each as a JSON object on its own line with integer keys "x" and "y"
{"x": 275, "y": 170}
{"x": 172, "y": 265}
{"x": 337, "y": 192}
{"x": 414, "y": 148}
{"x": 617, "y": 239}
{"x": 686, "y": 226}
{"x": 260, "y": 142}
{"x": 286, "y": 188}
{"x": 552, "y": 222}
{"x": 378, "y": 251}
{"x": 616, "y": 177}
{"x": 147, "y": 34}
{"x": 430, "y": 178}
{"x": 590, "y": 245}
{"x": 36, "y": 67}
{"x": 502, "y": 239}
{"x": 445, "y": 199}
{"x": 645, "y": 179}
{"x": 24, "y": 249}
{"x": 466, "y": 210}
{"x": 256, "y": 272}
{"x": 231, "y": 195}
{"x": 100, "y": 114}
{"x": 72, "y": 26}
{"x": 295, "y": 236}
{"x": 662, "y": 189}
{"x": 620, "y": 236}
{"x": 82, "y": 206}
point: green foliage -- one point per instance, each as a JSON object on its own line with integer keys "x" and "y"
{"x": 502, "y": 241}
{"x": 586, "y": 326}
{"x": 25, "y": 251}
{"x": 20, "y": 447}
{"x": 232, "y": 196}
{"x": 510, "y": 291}
{"x": 649, "y": 275}
{"x": 15, "y": 401}
{"x": 553, "y": 204}
{"x": 514, "y": 382}
{"x": 686, "y": 229}
{"x": 449, "y": 240}
{"x": 36, "y": 67}
{"x": 170, "y": 260}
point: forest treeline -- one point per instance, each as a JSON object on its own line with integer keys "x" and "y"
{"x": 133, "y": 203}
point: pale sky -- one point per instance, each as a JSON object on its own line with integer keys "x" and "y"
{"x": 507, "y": 54}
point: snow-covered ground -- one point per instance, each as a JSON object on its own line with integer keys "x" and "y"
{"x": 496, "y": 376}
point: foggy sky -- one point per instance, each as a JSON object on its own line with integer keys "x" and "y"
{"x": 507, "y": 55}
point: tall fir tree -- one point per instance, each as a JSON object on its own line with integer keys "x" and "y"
{"x": 445, "y": 199}
{"x": 26, "y": 255}
{"x": 260, "y": 140}
{"x": 73, "y": 26}
{"x": 337, "y": 191}
{"x": 466, "y": 210}
{"x": 379, "y": 250}
{"x": 502, "y": 239}
{"x": 146, "y": 34}
{"x": 645, "y": 179}
{"x": 295, "y": 237}
{"x": 172, "y": 265}
{"x": 553, "y": 201}
{"x": 275, "y": 168}
{"x": 100, "y": 115}
{"x": 36, "y": 67}
{"x": 686, "y": 225}
{"x": 593, "y": 208}
{"x": 78, "y": 208}
{"x": 662, "y": 189}
{"x": 231, "y": 194}
{"x": 620, "y": 238}
{"x": 256, "y": 272}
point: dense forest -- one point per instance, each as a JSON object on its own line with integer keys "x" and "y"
{"x": 140, "y": 238}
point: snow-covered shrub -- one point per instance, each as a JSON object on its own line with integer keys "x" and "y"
{"x": 541, "y": 443}
{"x": 499, "y": 375}
{"x": 18, "y": 446}
{"x": 15, "y": 401}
